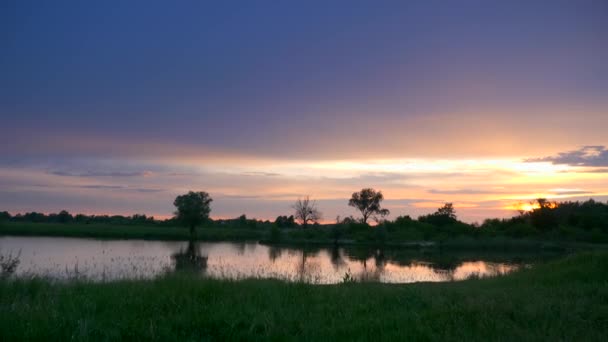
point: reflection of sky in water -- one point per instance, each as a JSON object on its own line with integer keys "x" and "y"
{"x": 102, "y": 259}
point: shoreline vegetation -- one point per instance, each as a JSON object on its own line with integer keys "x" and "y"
{"x": 547, "y": 225}
{"x": 310, "y": 238}
{"x": 570, "y": 303}
{"x": 292, "y": 236}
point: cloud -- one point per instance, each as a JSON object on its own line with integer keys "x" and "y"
{"x": 594, "y": 156}
{"x": 257, "y": 173}
{"x": 571, "y": 192}
{"x": 117, "y": 187}
{"x": 101, "y": 174}
{"x": 146, "y": 189}
{"x": 600, "y": 170}
{"x": 95, "y": 186}
{"x": 464, "y": 192}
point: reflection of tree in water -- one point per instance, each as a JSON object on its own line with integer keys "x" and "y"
{"x": 380, "y": 259}
{"x": 336, "y": 258}
{"x": 190, "y": 260}
{"x": 274, "y": 253}
{"x": 239, "y": 247}
{"x": 444, "y": 264}
{"x": 302, "y": 266}
{"x": 305, "y": 269}
{"x": 376, "y": 272}
{"x": 369, "y": 272}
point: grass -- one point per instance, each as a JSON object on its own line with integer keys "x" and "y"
{"x": 293, "y": 236}
{"x": 561, "y": 300}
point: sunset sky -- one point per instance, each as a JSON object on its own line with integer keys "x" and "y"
{"x": 117, "y": 107}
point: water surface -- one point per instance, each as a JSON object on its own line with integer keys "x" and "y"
{"x": 119, "y": 259}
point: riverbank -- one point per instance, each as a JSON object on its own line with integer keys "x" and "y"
{"x": 287, "y": 237}
{"x": 140, "y": 232}
{"x": 561, "y": 300}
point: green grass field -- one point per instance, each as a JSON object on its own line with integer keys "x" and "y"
{"x": 562, "y": 300}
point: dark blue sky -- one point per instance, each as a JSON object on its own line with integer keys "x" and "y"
{"x": 149, "y": 87}
{"x": 196, "y": 72}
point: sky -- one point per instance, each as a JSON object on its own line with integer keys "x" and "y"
{"x": 119, "y": 106}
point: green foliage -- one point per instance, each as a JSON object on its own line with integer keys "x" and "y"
{"x": 444, "y": 216}
{"x": 192, "y": 209}
{"x": 64, "y": 217}
{"x": 4, "y": 216}
{"x": 285, "y": 222}
{"x": 573, "y": 221}
{"x": 275, "y": 233}
{"x": 367, "y": 201}
{"x": 242, "y": 220}
{"x": 337, "y": 232}
{"x": 403, "y": 220}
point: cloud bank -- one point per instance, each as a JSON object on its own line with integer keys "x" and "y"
{"x": 592, "y": 156}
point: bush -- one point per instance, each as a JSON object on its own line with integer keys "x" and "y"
{"x": 521, "y": 230}
{"x": 336, "y": 232}
{"x": 275, "y": 233}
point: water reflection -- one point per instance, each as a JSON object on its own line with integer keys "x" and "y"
{"x": 105, "y": 260}
{"x": 190, "y": 259}
{"x": 337, "y": 260}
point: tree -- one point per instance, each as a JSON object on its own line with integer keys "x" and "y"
{"x": 306, "y": 211}
{"x": 192, "y": 209}
{"x": 64, "y": 217}
{"x": 544, "y": 217}
{"x": 447, "y": 210}
{"x": 367, "y": 201}
{"x": 4, "y": 216}
{"x": 442, "y": 217}
{"x": 285, "y": 222}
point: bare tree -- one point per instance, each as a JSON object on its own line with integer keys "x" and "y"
{"x": 306, "y": 211}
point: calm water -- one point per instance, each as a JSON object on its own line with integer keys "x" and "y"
{"x": 115, "y": 259}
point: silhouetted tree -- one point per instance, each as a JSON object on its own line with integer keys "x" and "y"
{"x": 545, "y": 216}
{"x": 35, "y": 217}
{"x": 367, "y": 201}
{"x": 403, "y": 220}
{"x": 306, "y": 211}
{"x": 285, "y": 222}
{"x": 192, "y": 209}
{"x": 447, "y": 210}
{"x": 345, "y": 221}
{"x": 4, "y": 216}
{"x": 242, "y": 220}
{"x": 336, "y": 232}
{"x": 443, "y": 216}
{"x": 64, "y": 217}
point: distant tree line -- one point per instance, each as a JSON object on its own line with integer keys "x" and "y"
{"x": 585, "y": 221}
{"x": 563, "y": 218}
{"x": 65, "y": 217}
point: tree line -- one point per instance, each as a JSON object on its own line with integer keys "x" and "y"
{"x": 580, "y": 220}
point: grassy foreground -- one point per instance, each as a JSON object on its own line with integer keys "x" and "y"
{"x": 563, "y": 300}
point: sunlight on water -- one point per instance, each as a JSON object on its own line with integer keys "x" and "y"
{"x": 100, "y": 260}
